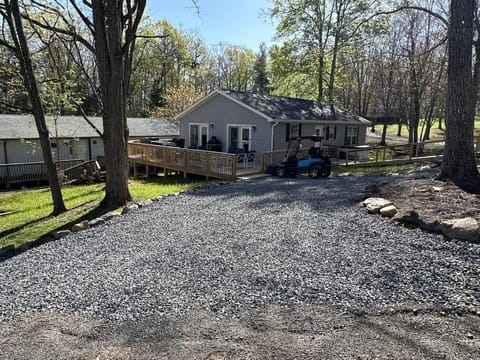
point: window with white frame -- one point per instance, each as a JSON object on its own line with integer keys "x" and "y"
{"x": 351, "y": 135}
{"x": 294, "y": 130}
{"x": 328, "y": 132}
{"x": 331, "y": 132}
{"x": 198, "y": 135}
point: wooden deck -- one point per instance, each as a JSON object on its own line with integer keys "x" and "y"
{"x": 200, "y": 162}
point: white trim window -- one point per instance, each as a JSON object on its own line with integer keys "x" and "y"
{"x": 294, "y": 130}
{"x": 239, "y": 138}
{"x": 328, "y": 132}
{"x": 198, "y": 135}
{"x": 351, "y": 135}
{"x": 331, "y": 132}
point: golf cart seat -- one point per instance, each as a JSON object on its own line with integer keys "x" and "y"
{"x": 315, "y": 152}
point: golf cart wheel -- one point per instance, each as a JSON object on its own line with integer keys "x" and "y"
{"x": 281, "y": 171}
{"x": 325, "y": 171}
{"x": 314, "y": 171}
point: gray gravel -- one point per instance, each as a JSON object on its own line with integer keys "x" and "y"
{"x": 240, "y": 246}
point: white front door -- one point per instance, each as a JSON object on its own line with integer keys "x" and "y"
{"x": 239, "y": 137}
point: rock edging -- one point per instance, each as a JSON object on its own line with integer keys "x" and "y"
{"x": 464, "y": 229}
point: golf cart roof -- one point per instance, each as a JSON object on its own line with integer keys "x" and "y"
{"x": 312, "y": 137}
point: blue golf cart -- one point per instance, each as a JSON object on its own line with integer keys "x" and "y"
{"x": 297, "y": 161}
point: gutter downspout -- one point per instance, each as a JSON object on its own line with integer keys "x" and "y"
{"x": 273, "y": 132}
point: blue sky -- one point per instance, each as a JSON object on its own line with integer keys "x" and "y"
{"x": 228, "y": 21}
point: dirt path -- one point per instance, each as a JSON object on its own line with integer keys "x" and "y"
{"x": 303, "y": 332}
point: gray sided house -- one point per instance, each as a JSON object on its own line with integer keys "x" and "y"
{"x": 71, "y": 137}
{"x": 247, "y": 121}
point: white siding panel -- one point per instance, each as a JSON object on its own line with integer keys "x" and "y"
{"x": 97, "y": 147}
{"x": 21, "y": 151}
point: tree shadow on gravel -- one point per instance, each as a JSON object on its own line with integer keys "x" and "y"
{"x": 11, "y": 251}
{"x": 333, "y": 192}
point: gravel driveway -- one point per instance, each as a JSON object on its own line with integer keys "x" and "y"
{"x": 247, "y": 250}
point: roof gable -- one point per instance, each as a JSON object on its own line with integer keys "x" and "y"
{"x": 219, "y": 93}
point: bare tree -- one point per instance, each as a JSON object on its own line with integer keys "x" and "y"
{"x": 10, "y": 11}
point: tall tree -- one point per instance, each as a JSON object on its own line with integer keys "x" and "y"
{"x": 459, "y": 163}
{"x": 160, "y": 63}
{"x": 111, "y": 36}
{"x": 260, "y": 76}
{"x": 10, "y": 11}
{"x": 115, "y": 25}
{"x": 233, "y": 67}
{"x": 320, "y": 30}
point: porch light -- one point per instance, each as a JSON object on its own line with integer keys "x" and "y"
{"x": 211, "y": 125}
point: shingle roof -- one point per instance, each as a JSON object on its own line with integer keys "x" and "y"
{"x": 23, "y": 127}
{"x": 287, "y": 108}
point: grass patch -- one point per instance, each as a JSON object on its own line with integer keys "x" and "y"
{"x": 30, "y": 209}
{"x": 435, "y": 132}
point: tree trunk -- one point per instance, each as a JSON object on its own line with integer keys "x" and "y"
{"x": 400, "y": 125}
{"x": 383, "y": 141}
{"x": 459, "y": 163}
{"x": 333, "y": 68}
{"x": 29, "y": 80}
{"x": 320, "y": 70}
{"x": 110, "y": 60}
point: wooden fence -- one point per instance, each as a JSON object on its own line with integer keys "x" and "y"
{"x": 33, "y": 171}
{"x": 375, "y": 155}
{"x": 200, "y": 162}
{"x": 395, "y": 154}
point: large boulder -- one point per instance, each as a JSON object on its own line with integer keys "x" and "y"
{"x": 374, "y": 204}
{"x": 388, "y": 211}
{"x": 466, "y": 229}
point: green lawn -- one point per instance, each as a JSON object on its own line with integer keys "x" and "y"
{"x": 31, "y": 208}
{"x": 435, "y": 133}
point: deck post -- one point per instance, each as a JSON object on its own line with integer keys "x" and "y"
{"x": 208, "y": 166}
{"x": 185, "y": 164}
{"x": 234, "y": 168}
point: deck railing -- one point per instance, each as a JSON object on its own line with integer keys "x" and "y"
{"x": 88, "y": 170}
{"x": 374, "y": 155}
{"x": 32, "y": 171}
{"x": 200, "y": 162}
{"x": 431, "y": 150}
